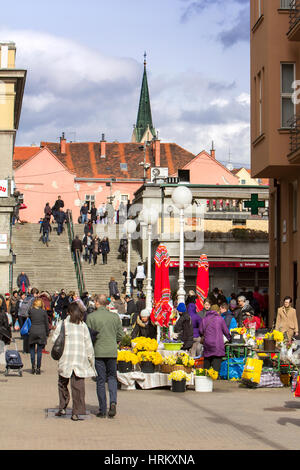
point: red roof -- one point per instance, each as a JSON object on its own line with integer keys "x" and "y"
{"x": 85, "y": 161}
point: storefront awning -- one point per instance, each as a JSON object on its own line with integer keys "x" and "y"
{"x": 224, "y": 264}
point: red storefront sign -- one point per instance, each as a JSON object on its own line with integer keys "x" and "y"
{"x": 224, "y": 264}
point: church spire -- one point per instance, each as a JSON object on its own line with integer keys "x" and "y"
{"x": 144, "y": 129}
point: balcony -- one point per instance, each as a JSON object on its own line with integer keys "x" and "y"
{"x": 294, "y": 31}
{"x": 294, "y": 154}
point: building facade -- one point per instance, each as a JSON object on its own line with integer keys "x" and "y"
{"x": 275, "y": 153}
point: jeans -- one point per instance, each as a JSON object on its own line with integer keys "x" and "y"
{"x": 83, "y": 218}
{"x": 39, "y": 348}
{"x": 88, "y": 254}
{"x": 45, "y": 237}
{"x": 106, "y": 367}
{"x": 59, "y": 228}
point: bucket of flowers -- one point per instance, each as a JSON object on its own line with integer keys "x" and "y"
{"x": 204, "y": 379}
{"x": 148, "y": 360}
{"x": 126, "y": 360}
{"x": 168, "y": 363}
{"x": 179, "y": 379}
{"x": 184, "y": 362}
{"x": 270, "y": 340}
{"x": 144, "y": 344}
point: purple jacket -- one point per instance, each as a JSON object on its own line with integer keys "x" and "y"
{"x": 196, "y": 320}
{"x": 213, "y": 327}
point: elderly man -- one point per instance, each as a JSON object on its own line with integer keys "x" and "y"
{"x": 110, "y": 332}
{"x": 243, "y": 309}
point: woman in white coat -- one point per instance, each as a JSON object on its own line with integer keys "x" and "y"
{"x": 76, "y": 363}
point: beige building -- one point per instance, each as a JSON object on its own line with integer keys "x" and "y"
{"x": 275, "y": 135}
{"x": 12, "y": 82}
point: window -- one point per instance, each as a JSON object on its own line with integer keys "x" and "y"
{"x": 259, "y": 8}
{"x": 287, "y": 106}
{"x": 285, "y": 4}
{"x": 123, "y": 167}
{"x": 243, "y": 181}
{"x": 89, "y": 199}
{"x": 124, "y": 198}
{"x": 259, "y": 104}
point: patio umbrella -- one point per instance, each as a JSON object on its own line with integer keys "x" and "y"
{"x": 161, "y": 308}
{"x": 202, "y": 286}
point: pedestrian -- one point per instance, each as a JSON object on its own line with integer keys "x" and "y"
{"x": 131, "y": 281}
{"x": 119, "y": 304}
{"x": 88, "y": 228}
{"x": 110, "y": 213}
{"x": 5, "y": 329}
{"x": 60, "y": 219}
{"x": 228, "y": 316}
{"x": 61, "y": 305}
{"x": 131, "y": 309}
{"x": 213, "y": 328}
{"x": 95, "y": 248}
{"x": 59, "y": 203}
{"x": 141, "y": 302}
{"x": 144, "y": 326}
{"x": 23, "y": 282}
{"x": 47, "y": 211}
{"x": 76, "y": 246}
{"x": 196, "y": 320}
{"x": 123, "y": 249}
{"x": 113, "y": 287}
{"x": 110, "y": 332}
{"x": 38, "y": 334}
{"x": 87, "y": 243}
{"x": 243, "y": 308}
{"x": 13, "y": 306}
{"x": 191, "y": 298}
{"x": 104, "y": 249}
{"x": 93, "y": 213}
{"x": 45, "y": 229}
{"x": 84, "y": 213}
{"x": 183, "y": 328}
{"x": 286, "y": 320}
{"x": 139, "y": 276}
{"x": 76, "y": 363}
{"x": 206, "y": 308}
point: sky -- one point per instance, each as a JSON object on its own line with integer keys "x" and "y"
{"x": 84, "y": 63}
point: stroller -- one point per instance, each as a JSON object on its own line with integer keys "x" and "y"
{"x": 13, "y": 361}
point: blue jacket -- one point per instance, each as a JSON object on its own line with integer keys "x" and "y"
{"x": 230, "y": 321}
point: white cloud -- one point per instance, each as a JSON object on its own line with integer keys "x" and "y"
{"x": 74, "y": 88}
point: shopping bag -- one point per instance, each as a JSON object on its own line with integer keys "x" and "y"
{"x": 252, "y": 370}
{"x": 26, "y": 327}
{"x": 236, "y": 368}
{"x": 17, "y": 326}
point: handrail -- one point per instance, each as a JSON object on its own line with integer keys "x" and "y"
{"x": 294, "y": 12}
{"x": 75, "y": 256}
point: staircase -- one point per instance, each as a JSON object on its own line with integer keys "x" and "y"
{"x": 48, "y": 268}
{"x": 97, "y": 277}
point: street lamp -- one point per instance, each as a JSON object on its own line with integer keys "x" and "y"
{"x": 149, "y": 217}
{"x": 130, "y": 228}
{"x": 182, "y": 198}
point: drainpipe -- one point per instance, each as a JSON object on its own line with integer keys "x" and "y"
{"x": 278, "y": 246}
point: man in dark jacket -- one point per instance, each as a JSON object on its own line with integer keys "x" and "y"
{"x": 76, "y": 245}
{"x": 46, "y": 229}
{"x": 93, "y": 213}
{"x": 244, "y": 308}
{"x": 60, "y": 219}
{"x": 88, "y": 228}
{"x": 130, "y": 307}
{"x": 59, "y": 203}
{"x": 104, "y": 249}
{"x": 23, "y": 282}
{"x": 84, "y": 213}
{"x": 184, "y": 327}
{"x": 143, "y": 326}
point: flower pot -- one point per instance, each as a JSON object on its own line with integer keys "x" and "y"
{"x": 269, "y": 345}
{"x": 124, "y": 367}
{"x": 178, "y": 386}
{"x": 203, "y": 383}
{"x": 173, "y": 346}
{"x": 125, "y": 322}
{"x": 147, "y": 367}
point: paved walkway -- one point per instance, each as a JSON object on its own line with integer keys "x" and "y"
{"x": 229, "y": 418}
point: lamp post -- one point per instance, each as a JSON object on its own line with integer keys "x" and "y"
{"x": 182, "y": 198}
{"x": 149, "y": 217}
{"x": 129, "y": 227}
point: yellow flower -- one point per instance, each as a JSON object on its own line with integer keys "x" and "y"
{"x": 178, "y": 375}
{"x": 127, "y": 356}
{"x": 151, "y": 356}
{"x": 144, "y": 344}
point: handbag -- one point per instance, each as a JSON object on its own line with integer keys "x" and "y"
{"x": 26, "y": 327}
{"x": 59, "y": 345}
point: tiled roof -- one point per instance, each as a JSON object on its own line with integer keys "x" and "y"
{"x": 85, "y": 161}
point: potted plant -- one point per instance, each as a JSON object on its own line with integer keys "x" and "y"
{"x": 204, "y": 379}
{"x": 179, "y": 379}
{"x": 126, "y": 360}
{"x": 148, "y": 360}
{"x": 270, "y": 340}
{"x": 125, "y": 342}
{"x": 184, "y": 362}
{"x": 168, "y": 363}
{"x": 144, "y": 344}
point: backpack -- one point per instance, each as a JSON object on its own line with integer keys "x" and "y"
{"x": 25, "y": 307}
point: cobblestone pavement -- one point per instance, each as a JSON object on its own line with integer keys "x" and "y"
{"x": 229, "y": 418}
